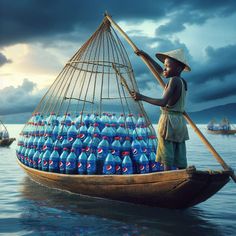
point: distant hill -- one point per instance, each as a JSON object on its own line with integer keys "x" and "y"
{"x": 200, "y": 117}
{"x": 218, "y": 112}
{"x": 20, "y": 118}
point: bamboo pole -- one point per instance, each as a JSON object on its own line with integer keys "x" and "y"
{"x": 186, "y": 116}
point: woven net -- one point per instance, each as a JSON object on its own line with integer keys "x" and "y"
{"x": 89, "y": 84}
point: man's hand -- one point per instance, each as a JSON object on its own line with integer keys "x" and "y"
{"x": 140, "y": 53}
{"x": 136, "y": 96}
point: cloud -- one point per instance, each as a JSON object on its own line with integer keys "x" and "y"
{"x": 20, "y": 99}
{"x": 214, "y": 78}
{"x": 218, "y": 65}
{"x": 4, "y": 60}
{"x": 64, "y": 25}
{"x": 33, "y": 20}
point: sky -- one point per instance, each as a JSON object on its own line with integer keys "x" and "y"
{"x": 39, "y": 36}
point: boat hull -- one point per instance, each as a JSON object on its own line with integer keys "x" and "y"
{"x": 169, "y": 189}
{"x": 6, "y": 142}
{"x": 226, "y": 132}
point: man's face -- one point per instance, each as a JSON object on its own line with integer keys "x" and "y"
{"x": 171, "y": 68}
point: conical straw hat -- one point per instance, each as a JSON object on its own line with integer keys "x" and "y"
{"x": 177, "y": 54}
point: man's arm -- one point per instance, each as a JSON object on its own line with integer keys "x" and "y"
{"x": 152, "y": 62}
{"x": 158, "y": 101}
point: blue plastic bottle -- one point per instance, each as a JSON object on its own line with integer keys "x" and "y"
{"x": 153, "y": 165}
{"x": 82, "y": 163}
{"x": 40, "y": 160}
{"x": 68, "y": 119}
{"x": 143, "y": 145}
{"x": 26, "y": 158}
{"x": 52, "y": 119}
{"x": 36, "y": 159}
{"x": 149, "y": 146}
{"x": 58, "y": 145}
{"x": 63, "y": 131}
{"x": 83, "y": 131}
{"x": 87, "y": 120}
{"x": 126, "y": 146}
{"x": 104, "y": 120}
{"x": 40, "y": 129}
{"x": 30, "y": 156}
{"x": 102, "y": 152}
{"x": 54, "y": 161}
{"x": 118, "y": 165}
{"x": 127, "y": 165}
{"x": 92, "y": 164}
{"x": 90, "y": 130}
{"x": 97, "y": 121}
{"x": 18, "y": 150}
{"x": 41, "y": 142}
{"x": 22, "y": 153}
{"x": 154, "y": 140}
{"x": 71, "y": 163}
{"x": 48, "y": 130}
{"x": 66, "y": 144}
{"x": 109, "y": 165}
{"x": 77, "y": 146}
{"x": 62, "y": 164}
{"x": 136, "y": 153}
{"x": 93, "y": 144}
{"x": 141, "y": 120}
{"x": 36, "y": 139}
{"x": 107, "y": 132}
{"x": 116, "y": 146}
{"x": 92, "y": 119}
{"x": 143, "y": 164}
{"x": 121, "y": 120}
{"x": 45, "y": 160}
{"x": 30, "y": 141}
{"x": 130, "y": 121}
{"x": 142, "y": 131}
{"x": 121, "y": 132}
{"x": 72, "y": 133}
{"x": 114, "y": 121}
{"x": 48, "y": 143}
{"x": 96, "y": 130}
{"x": 79, "y": 120}
{"x": 85, "y": 145}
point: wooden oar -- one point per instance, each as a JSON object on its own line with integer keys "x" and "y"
{"x": 192, "y": 124}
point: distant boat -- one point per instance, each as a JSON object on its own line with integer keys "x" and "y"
{"x": 224, "y": 127}
{"x": 5, "y": 140}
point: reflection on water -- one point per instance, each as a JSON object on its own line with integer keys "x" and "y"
{"x": 27, "y": 208}
{"x": 54, "y": 210}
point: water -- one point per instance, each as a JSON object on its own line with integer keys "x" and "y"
{"x": 31, "y": 209}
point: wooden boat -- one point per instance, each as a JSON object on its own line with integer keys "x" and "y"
{"x": 5, "y": 141}
{"x": 223, "y": 128}
{"x": 168, "y": 189}
{"x": 226, "y": 132}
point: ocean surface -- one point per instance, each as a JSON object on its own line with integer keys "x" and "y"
{"x": 27, "y": 208}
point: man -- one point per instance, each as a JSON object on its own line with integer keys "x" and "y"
{"x": 172, "y": 129}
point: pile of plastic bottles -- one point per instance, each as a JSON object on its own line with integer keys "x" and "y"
{"x": 88, "y": 144}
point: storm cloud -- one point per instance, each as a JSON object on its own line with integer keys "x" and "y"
{"x": 19, "y": 99}
{"x": 34, "y": 20}
{"x": 4, "y": 60}
{"x": 48, "y": 22}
